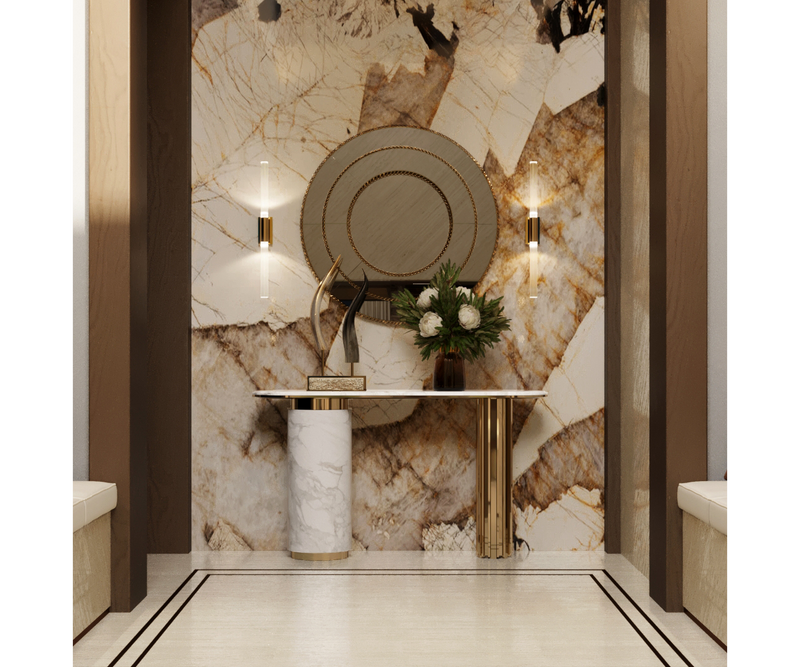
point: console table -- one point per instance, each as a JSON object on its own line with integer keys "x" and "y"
{"x": 494, "y": 520}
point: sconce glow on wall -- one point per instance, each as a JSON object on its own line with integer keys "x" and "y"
{"x": 532, "y": 228}
{"x": 264, "y": 230}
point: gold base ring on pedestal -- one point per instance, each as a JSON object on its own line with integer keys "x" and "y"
{"x": 319, "y": 404}
{"x": 338, "y": 555}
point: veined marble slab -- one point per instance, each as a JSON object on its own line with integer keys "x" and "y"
{"x": 491, "y": 77}
{"x": 320, "y": 474}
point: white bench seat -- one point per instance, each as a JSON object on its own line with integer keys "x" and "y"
{"x": 91, "y": 500}
{"x": 708, "y": 501}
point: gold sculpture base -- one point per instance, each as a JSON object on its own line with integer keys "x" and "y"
{"x": 337, "y": 383}
{"x": 340, "y": 555}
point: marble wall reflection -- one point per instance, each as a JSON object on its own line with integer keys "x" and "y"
{"x": 635, "y": 284}
{"x": 289, "y": 84}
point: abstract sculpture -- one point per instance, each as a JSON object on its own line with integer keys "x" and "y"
{"x": 324, "y": 382}
{"x": 316, "y": 306}
{"x": 349, "y": 337}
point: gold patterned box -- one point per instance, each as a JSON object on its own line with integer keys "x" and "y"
{"x": 337, "y": 383}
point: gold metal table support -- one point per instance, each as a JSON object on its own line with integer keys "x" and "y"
{"x": 319, "y": 404}
{"x": 494, "y": 467}
{"x": 495, "y": 521}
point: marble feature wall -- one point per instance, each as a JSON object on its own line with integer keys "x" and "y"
{"x": 289, "y": 82}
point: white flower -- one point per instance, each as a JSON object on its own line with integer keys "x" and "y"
{"x": 465, "y": 291}
{"x": 468, "y": 317}
{"x": 428, "y": 324}
{"x": 424, "y": 299}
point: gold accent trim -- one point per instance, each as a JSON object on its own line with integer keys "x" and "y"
{"x": 397, "y": 323}
{"x": 265, "y": 230}
{"x": 319, "y": 403}
{"x": 493, "y": 468}
{"x": 393, "y": 147}
{"x": 339, "y": 555}
{"x": 449, "y": 217}
{"x": 337, "y": 383}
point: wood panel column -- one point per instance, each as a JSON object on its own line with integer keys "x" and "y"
{"x": 613, "y": 280}
{"x": 117, "y": 134}
{"x": 169, "y": 271}
{"x": 678, "y": 278}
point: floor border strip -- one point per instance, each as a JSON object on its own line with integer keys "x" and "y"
{"x": 568, "y": 572}
{"x": 174, "y": 616}
{"x": 627, "y": 618}
{"x": 153, "y": 618}
{"x": 649, "y": 620}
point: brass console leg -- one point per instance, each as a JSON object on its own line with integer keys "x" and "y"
{"x": 495, "y": 524}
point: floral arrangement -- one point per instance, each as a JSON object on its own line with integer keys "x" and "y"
{"x": 451, "y": 318}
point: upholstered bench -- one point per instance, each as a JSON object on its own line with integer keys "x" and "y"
{"x": 92, "y": 503}
{"x": 705, "y": 554}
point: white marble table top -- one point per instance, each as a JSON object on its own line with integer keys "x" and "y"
{"x": 401, "y": 393}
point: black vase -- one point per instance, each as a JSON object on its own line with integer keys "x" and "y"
{"x": 448, "y": 373}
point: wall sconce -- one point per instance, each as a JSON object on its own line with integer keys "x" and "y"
{"x": 532, "y": 228}
{"x": 264, "y": 230}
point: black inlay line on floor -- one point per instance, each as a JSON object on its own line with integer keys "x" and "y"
{"x": 174, "y": 616}
{"x": 147, "y": 625}
{"x": 632, "y": 624}
{"x": 398, "y": 569}
{"x": 462, "y": 570}
{"x": 221, "y": 572}
{"x": 649, "y": 620}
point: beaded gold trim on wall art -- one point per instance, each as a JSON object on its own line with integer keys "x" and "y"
{"x": 396, "y": 147}
{"x": 449, "y": 218}
{"x": 375, "y": 129}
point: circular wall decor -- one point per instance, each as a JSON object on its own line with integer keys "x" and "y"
{"x": 396, "y": 203}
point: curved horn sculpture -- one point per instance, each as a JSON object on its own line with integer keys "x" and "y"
{"x": 349, "y": 337}
{"x": 316, "y": 304}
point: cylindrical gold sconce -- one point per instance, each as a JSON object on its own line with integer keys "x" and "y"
{"x": 264, "y": 230}
{"x": 532, "y": 228}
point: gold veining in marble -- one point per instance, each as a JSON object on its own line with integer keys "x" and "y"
{"x": 326, "y": 80}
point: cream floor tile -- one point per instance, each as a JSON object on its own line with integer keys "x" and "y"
{"x": 396, "y": 608}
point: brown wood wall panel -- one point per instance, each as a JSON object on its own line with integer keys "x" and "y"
{"x": 117, "y": 282}
{"x": 169, "y": 287}
{"x": 613, "y": 351}
{"x": 678, "y": 278}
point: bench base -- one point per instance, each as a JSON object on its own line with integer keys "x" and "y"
{"x": 91, "y": 573}
{"x": 705, "y": 575}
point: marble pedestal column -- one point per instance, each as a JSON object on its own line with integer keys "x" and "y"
{"x": 320, "y": 474}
